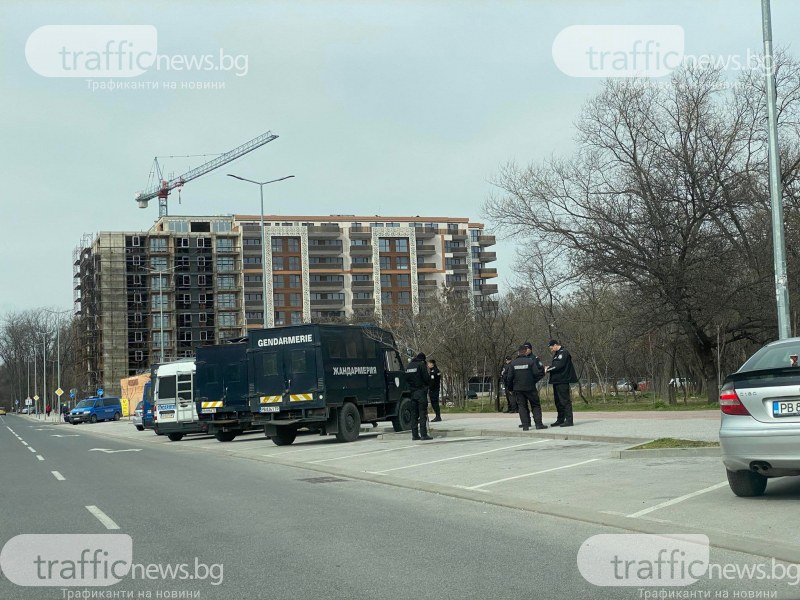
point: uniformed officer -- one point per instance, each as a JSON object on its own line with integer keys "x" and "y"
{"x": 433, "y": 389}
{"x": 562, "y": 373}
{"x": 521, "y": 376}
{"x": 511, "y": 403}
{"x": 418, "y": 379}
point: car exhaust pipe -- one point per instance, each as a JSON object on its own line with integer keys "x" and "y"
{"x": 760, "y": 466}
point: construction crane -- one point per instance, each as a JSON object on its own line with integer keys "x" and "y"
{"x": 164, "y": 187}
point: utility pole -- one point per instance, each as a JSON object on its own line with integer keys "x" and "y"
{"x": 775, "y": 188}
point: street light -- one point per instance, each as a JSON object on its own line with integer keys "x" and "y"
{"x": 261, "y": 185}
{"x": 58, "y": 352}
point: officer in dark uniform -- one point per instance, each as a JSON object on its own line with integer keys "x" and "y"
{"x": 562, "y": 373}
{"x": 433, "y": 389}
{"x": 521, "y": 376}
{"x": 511, "y": 403}
{"x": 418, "y": 379}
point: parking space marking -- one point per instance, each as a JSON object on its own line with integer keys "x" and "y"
{"x": 488, "y": 483}
{"x": 40, "y": 457}
{"x": 316, "y": 447}
{"x": 362, "y": 454}
{"x": 102, "y": 517}
{"x": 58, "y": 475}
{"x": 432, "y": 462}
{"x": 646, "y": 511}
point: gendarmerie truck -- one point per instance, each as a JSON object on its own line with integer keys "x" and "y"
{"x": 174, "y": 413}
{"x": 325, "y": 378}
{"x": 221, "y": 392}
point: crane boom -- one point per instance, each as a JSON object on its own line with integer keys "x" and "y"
{"x": 163, "y": 189}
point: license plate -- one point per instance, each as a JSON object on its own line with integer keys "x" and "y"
{"x": 786, "y": 409}
{"x": 207, "y": 411}
{"x": 270, "y": 408}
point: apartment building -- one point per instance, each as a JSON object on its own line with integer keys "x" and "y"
{"x": 191, "y": 281}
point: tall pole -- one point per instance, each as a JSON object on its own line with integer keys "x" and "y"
{"x": 58, "y": 363}
{"x": 776, "y": 193}
{"x": 263, "y": 261}
{"x": 161, "y": 315}
{"x": 45, "y": 399}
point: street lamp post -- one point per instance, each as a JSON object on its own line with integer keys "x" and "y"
{"x": 58, "y": 353}
{"x": 261, "y": 185}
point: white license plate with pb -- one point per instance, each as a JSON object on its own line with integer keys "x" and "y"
{"x": 790, "y": 408}
{"x": 272, "y": 408}
{"x": 208, "y": 411}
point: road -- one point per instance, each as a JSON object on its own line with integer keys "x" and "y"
{"x": 276, "y": 531}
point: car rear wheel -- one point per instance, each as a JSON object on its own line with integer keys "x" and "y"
{"x": 402, "y": 422}
{"x": 283, "y": 436}
{"x": 175, "y": 437}
{"x": 225, "y": 436}
{"x": 747, "y": 484}
{"x": 349, "y": 423}
{"x": 93, "y": 419}
{"x": 139, "y": 428}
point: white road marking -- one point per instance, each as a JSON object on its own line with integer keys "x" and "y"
{"x": 677, "y": 500}
{"x": 102, "y": 517}
{"x": 65, "y": 435}
{"x": 107, "y": 451}
{"x": 58, "y": 475}
{"x": 362, "y": 454}
{"x": 432, "y": 462}
{"x": 31, "y": 449}
{"x": 23, "y": 443}
{"x": 295, "y": 451}
{"x": 40, "y": 457}
{"x": 488, "y": 483}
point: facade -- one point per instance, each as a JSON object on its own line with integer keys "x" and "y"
{"x": 192, "y": 281}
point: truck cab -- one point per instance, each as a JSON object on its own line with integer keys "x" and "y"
{"x": 325, "y": 378}
{"x": 175, "y": 414}
{"x": 221, "y": 393}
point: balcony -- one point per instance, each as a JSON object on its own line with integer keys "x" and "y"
{"x": 326, "y": 250}
{"x": 426, "y": 232}
{"x": 426, "y": 265}
{"x": 361, "y": 250}
{"x": 327, "y": 303}
{"x": 429, "y": 282}
{"x": 487, "y": 240}
{"x": 486, "y": 273}
{"x": 360, "y": 233}
{"x": 326, "y": 285}
{"x": 324, "y": 231}
{"x": 458, "y": 284}
{"x": 366, "y": 265}
{"x": 488, "y": 289}
{"x": 363, "y": 302}
{"x": 426, "y": 249}
{"x": 487, "y": 256}
{"x": 337, "y": 266}
{"x": 360, "y": 283}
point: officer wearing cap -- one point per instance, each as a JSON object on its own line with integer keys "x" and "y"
{"x": 521, "y": 376}
{"x": 562, "y": 373}
{"x": 418, "y": 379}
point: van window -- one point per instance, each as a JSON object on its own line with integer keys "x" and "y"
{"x": 269, "y": 364}
{"x": 393, "y": 361}
{"x": 166, "y": 387}
{"x": 85, "y": 403}
{"x": 346, "y": 345}
{"x": 297, "y": 362}
{"x": 209, "y": 374}
{"x": 185, "y": 381}
{"x": 231, "y": 373}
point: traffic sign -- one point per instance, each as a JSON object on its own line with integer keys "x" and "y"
{"x": 36, "y": 397}
{"x": 59, "y": 392}
{"x": 16, "y": 402}
{"x": 28, "y": 401}
{"x": 100, "y": 392}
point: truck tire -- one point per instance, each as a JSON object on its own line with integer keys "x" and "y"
{"x": 225, "y": 436}
{"x": 284, "y": 436}
{"x": 139, "y": 428}
{"x": 175, "y": 437}
{"x": 349, "y": 423}
{"x": 402, "y": 422}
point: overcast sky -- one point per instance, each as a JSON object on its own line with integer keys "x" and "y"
{"x": 381, "y": 107}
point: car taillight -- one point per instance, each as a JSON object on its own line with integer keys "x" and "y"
{"x": 729, "y": 402}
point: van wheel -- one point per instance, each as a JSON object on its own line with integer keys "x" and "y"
{"x": 175, "y": 437}
{"x": 402, "y": 422}
{"x": 225, "y": 436}
{"x": 349, "y": 423}
{"x": 747, "y": 484}
{"x": 139, "y": 428}
{"x": 283, "y": 436}
{"x": 116, "y": 416}
{"x": 93, "y": 419}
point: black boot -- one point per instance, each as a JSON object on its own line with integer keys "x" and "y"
{"x": 414, "y": 435}
{"x": 437, "y": 419}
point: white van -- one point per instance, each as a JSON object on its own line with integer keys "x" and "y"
{"x": 175, "y": 412}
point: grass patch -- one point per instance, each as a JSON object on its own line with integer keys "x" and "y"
{"x": 595, "y": 404}
{"x": 675, "y": 443}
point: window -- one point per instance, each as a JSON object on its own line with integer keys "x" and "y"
{"x": 252, "y": 260}
{"x": 294, "y": 281}
{"x": 253, "y": 296}
{"x": 386, "y": 281}
{"x": 222, "y": 226}
{"x": 402, "y": 280}
{"x": 185, "y": 336}
{"x": 269, "y": 364}
{"x": 294, "y": 263}
{"x": 136, "y": 260}
{"x": 201, "y": 242}
{"x": 297, "y": 318}
{"x": 361, "y": 277}
{"x": 404, "y": 297}
{"x": 386, "y": 297}
{"x": 158, "y": 244}
{"x": 185, "y": 320}
{"x": 227, "y": 319}
{"x": 157, "y": 301}
{"x": 401, "y": 245}
{"x": 474, "y": 234}
{"x": 158, "y": 263}
{"x": 362, "y": 295}
{"x": 227, "y": 282}
{"x": 277, "y": 244}
{"x": 201, "y": 263}
{"x": 277, "y": 263}
{"x": 136, "y": 280}
{"x": 295, "y": 300}
{"x": 386, "y": 262}
{"x": 136, "y": 241}
{"x": 183, "y": 242}
{"x": 182, "y": 263}
{"x": 327, "y": 296}
{"x": 138, "y": 356}
{"x": 383, "y": 244}
{"x": 278, "y": 281}
{"x": 137, "y": 317}
{"x": 278, "y": 299}
{"x": 294, "y": 244}
{"x": 255, "y": 315}
{"x": 401, "y": 262}
{"x": 225, "y": 264}
{"x": 186, "y": 280}
{"x": 202, "y": 280}
{"x": 137, "y": 298}
{"x": 203, "y": 336}
{"x": 137, "y": 336}
{"x": 280, "y": 318}
{"x": 393, "y": 224}
{"x": 359, "y": 242}
{"x": 255, "y": 278}
{"x": 252, "y": 241}
{"x": 226, "y": 300}
{"x": 360, "y": 260}
{"x": 224, "y": 245}
{"x": 202, "y": 318}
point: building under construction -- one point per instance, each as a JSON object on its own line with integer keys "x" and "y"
{"x": 144, "y": 297}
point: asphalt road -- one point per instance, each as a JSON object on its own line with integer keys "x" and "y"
{"x": 273, "y": 531}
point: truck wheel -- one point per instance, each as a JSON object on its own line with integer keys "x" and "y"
{"x": 747, "y": 484}
{"x": 116, "y": 416}
{"x": 283, "y": 436}
{"x": 139, "y": 428}
{"x": 402, "y": 422}
{"x": 93, "y": 419}
{"x": 225, "y": 436}
{"x": 349, "y": 423}
{"x": 175, "y": 437}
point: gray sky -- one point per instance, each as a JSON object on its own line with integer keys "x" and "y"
{"x": 381, "y": 107}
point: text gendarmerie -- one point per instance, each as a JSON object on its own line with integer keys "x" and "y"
{"x": 282, "y": 341}
{"x": 355, "y": 370}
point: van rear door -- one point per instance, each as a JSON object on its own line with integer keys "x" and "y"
{"x": 186, "y": 411}
{"x": 300, "y": 366}
{"x": 395, "y": 375}
{"x": 284, "y": 378}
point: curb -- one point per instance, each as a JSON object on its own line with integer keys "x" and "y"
{"x": 522, "y": 434}
{"x": 667, "y": 453}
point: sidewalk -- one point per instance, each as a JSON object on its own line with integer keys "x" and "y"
{"x": 597, "y": 426}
